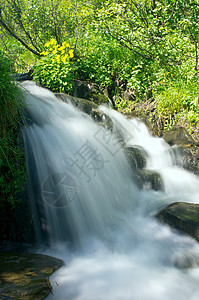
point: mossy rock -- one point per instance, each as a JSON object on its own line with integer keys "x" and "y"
{"x": 82, "y": 104}
{"x": 26, "y": 276}
{"x": 136, "y": 157}
{"x": 99, "y": 98}
{"x": 182, "y": 216}
{"x": 149, "y": 180}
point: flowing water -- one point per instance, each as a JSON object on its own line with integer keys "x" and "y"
{"x": 87, "y": 205}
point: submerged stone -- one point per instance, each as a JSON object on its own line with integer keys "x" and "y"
{"x": 149, "y": 179}
{"x": 182, "y": 216}
{"x": 26, "y": 276}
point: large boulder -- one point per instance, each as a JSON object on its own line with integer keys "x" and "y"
{"x": 26, "y": 276}
{"x": 182, "y": 216}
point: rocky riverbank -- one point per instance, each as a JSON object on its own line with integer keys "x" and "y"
{"x": 26, "y": 276}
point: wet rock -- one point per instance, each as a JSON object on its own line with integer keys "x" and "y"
{"x": 146, "y": 179}
{"x": 24, "y": 76}
{"x": 182, "y": 216}
{"x": 186, "y": 154}
{"x": 83, "y": 105}
{"x": 26, "y": 276}
{"x": 186, "y": 157}
{"x": 89, "y": 108}
{"x": 185, "y": 260}
{"x": 179, "y": 136}
{"x": 89, "y": 91}
{"x": 149, "y": 180}
{"x": 136, "y": 157}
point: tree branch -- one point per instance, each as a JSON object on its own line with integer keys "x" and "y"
{"x": 2, "y": 23}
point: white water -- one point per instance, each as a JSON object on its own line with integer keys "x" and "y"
{"x": 119, "y": 250}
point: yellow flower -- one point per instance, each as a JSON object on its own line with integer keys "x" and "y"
{"x": 54, "y": 51}
{"x": 58, "y": 59}
{"x": 47, "y": 44}
{"x": 53, "y": 42}
{"x": 64, "y": 58}
{"x": 71, "y": 53}
{"x": 78, "y": 59}
{"x": 65, "y": 44}
{"x": 44, "y": 53}
{"x": 61, "y": 48}
{"x": 63, "y": 51}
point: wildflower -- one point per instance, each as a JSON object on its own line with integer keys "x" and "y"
{"x": 54, "y": 51}
{"x": 53, "y": 42}
{"x": 58, "y": 59}
{"x": 61, "y": 48}
{"x": 65, "y": 44}
{"x": 44, "y": 53}
{"x": 64, "y": 58}
{"x": 71, "y": 53}
{"x": 47, "y": 45}
{"x": 78, "y": 59}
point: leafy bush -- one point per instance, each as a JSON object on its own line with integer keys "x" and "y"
{"x": 56, "y": 69}
{"x": 103, "y": 63}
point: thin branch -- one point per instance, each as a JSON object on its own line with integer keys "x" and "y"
{"x": 2, "y": 23}
{"x": 171, "y": 15}
{"x": 22, "y": 26}
{"x": 122, "y": 43}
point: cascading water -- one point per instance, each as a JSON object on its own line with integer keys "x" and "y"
{"x": 95, "y": 216}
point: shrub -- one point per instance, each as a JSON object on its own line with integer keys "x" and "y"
{"x": 56, "y": 68}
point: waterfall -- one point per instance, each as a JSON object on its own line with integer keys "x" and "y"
{"x": 90, "y": 208}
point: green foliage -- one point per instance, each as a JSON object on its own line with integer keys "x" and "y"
{"x": 148, "y": 47}
{"x": 56, "y": 69}
{"x": 123, "y": 106}
{"x": 180, "y": 98}
{"x": 104, "y": 62}
{"x": 11, "y": 156}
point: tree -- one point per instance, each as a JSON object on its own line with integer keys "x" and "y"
{"x": 33, "y": 23}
